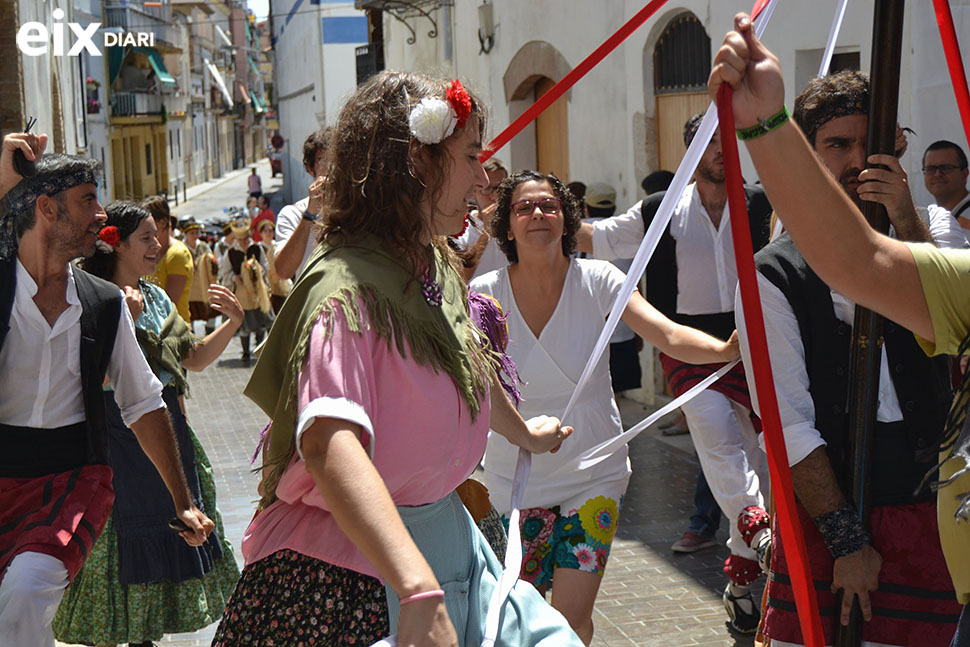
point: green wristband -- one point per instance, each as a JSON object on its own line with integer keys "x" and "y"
{"x": 764, "y": 125}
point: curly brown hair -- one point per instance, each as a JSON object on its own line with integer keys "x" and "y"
{"x": 375, "y": 186}
{"x": 572, "y": 212}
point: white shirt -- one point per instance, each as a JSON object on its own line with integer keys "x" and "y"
{"x": 287, "y": 220}
{"x": 493, "y": 258}
{"x": 550, "y": 367}
{"x": 941, "y": 217}
{"x": 706, "y": 274}
{"x": 40, "y": 367}
{"x": 795, "y": 404}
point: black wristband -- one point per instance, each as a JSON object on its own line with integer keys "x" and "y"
{"x": 311, "y": 217}
{"x": 842, "y": 531}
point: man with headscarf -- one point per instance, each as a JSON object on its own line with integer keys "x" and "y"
{"x": 809, "y": 331}
{"x": 691, "y": 279}
{"x": 62, "y": 333}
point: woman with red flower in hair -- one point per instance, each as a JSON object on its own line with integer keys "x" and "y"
{"x": 141, "y": 580}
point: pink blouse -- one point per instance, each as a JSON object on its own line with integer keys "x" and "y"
{"x": 417, "y": 429}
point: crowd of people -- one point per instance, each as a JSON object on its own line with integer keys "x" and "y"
{"x": 420, "y": 315}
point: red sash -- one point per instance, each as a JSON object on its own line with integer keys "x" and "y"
{"x": 58, "y": 514}
{"x": 681, "y": 377}
{"x": 915, "y": 603}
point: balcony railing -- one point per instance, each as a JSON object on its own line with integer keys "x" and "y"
{"x": 130, "y": 104}
{"x": 155, "y": 20}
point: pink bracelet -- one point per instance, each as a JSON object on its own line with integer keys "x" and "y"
{"x": 436, "y": 593}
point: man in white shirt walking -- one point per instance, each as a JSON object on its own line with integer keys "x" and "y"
{"x": 691, "y": 279}
{"x": 62, "y": 333}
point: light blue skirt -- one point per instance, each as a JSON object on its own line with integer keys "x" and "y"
{"x": 467, "y": 570}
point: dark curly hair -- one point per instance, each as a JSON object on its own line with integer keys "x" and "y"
{"x": 127, "y": 217}
{"x": 316, "y": 142}
{"x": 828, "y": 97}
{"x": 375, "y": 186}
{"x": 572, "y": 212}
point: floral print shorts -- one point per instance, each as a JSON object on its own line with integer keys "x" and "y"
{"x": 580, "y": 539}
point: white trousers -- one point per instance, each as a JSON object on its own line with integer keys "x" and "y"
{"x": 30, "y": 591}
{"x": 733, "y": 463}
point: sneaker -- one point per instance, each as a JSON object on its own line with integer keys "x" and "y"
{"x": 691, "y": 543}
{"x": 740, "y": 618}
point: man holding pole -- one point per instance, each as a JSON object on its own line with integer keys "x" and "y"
{"x": 808, "y": 328}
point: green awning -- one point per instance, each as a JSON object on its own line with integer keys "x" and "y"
{"x": 252, "y": 64}
{"x": 155, "y": 59}
{"x": 257, "y": 102}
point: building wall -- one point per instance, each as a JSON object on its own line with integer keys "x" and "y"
{"x": 313, "y": 75}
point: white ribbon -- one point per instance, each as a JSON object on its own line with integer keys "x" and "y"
{"x": 823, "y": 68}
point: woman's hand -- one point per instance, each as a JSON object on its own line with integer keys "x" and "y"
{"x": 135, "y": 302}
{"x": 546, "y": 434}
{"x": 425, "y": 623}
{"x": 225, "y": 302}
{"x": 754, "y": 73}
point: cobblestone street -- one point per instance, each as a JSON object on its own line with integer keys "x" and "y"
{"x": 649, "y": 596}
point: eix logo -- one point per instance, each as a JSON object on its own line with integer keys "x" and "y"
{"x": 33, "y": 38}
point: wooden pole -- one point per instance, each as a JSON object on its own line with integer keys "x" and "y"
{"x": 867, "y": 342}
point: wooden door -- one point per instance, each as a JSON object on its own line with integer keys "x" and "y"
{"x": 673, "y": 111}
{"x": 552, "y": 135}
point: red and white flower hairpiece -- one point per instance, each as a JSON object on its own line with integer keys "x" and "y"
{"x": 433, "y": 120}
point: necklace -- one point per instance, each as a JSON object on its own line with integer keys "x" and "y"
{"x": 431, "y": 290}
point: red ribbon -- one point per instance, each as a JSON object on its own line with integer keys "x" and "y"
{"x": 951, "y": 47}
{"x": 788, "y": 522}
{"x": 570, "y": 79}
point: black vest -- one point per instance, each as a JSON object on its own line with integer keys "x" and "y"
{"x": 662, "y": 269}
{"x": 101, "y": 304}
{"x": 903, "y": 451}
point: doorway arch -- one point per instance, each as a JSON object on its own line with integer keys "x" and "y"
{"x": 544, "y": 144}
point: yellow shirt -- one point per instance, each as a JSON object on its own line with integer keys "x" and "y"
{"x": 945, "y": 277}
{"x": 177, "y": 261}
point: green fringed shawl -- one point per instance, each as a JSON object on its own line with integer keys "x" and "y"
{"x": 166, "y": 349}
{"x": 348, "y": 277}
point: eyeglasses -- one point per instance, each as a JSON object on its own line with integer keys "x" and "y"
{"x": 944, "y": 169}
{"x": 548, "y": 206}
{"x": 489, "y": 190}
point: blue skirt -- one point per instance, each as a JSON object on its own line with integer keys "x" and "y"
{"x": 468, "y": 571}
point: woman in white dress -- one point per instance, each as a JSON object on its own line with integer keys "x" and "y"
{"x": 556, "y": 307}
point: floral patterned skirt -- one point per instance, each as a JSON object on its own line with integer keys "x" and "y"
{"x": 97, "y": 609}
{"x": 295, "y": 600}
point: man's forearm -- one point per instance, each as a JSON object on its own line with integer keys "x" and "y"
{"x": 154, "y": 433}
{"x": 816, "y": 485}
{"x": 290, "y": 254}
{"x": 910, "y": 227}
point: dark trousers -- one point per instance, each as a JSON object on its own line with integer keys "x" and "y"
{"x": 707, "y": 515}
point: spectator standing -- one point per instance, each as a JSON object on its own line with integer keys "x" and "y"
{"x": 295, "y": 239}
{"x": 479, "y": 252}
{"x": 945, "y": 175}
{"x": 255, "y": 184}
